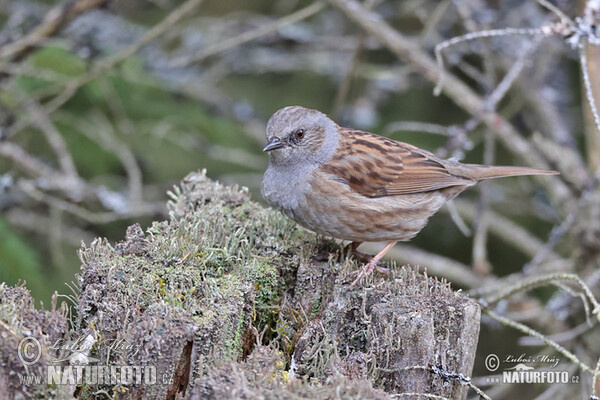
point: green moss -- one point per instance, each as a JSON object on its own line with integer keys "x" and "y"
{"x": 316, "y": 307}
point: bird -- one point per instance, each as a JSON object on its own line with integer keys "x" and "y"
{"x": 358, "y": 186}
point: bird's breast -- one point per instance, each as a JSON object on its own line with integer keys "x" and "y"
{"x": 285, "y": 188}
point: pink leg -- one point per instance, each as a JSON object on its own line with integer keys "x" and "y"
{"x": 353, "y": 249}
{"x": 372, "y": 265}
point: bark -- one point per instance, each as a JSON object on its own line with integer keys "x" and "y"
{"x": 227, "y": 299}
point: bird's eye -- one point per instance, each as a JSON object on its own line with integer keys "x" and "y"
{"x": 300, "y": 133}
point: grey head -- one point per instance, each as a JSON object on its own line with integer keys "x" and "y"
{"x": 299, "y": 136}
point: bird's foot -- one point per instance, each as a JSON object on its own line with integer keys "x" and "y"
{"x": 367, "y": 270}
{"x": 359, "y": 255}
{"x": 371, "y": 266}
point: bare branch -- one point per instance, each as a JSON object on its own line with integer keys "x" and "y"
{"x": 456, "y": 90}
{"x": 245, "y": 37}
{"x": 531, "y": 332}
{"x": 54, "y": 138}
{"x": 182, "y": 11}
{"x": 472, "y": 36}
{"x": 435, "y": 264}
{"x": 591, "y": 100}
{"x": 53, "y": 22}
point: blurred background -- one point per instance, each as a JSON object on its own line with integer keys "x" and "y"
{"x": 105, "y": 105}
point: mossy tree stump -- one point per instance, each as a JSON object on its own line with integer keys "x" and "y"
{"x": 231, "y": 300}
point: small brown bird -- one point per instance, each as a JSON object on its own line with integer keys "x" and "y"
{"x": 358, "y": 186}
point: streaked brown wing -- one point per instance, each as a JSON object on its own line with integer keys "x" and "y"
{"x": 376, "y": 166}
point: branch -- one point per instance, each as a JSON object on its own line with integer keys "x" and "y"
{"x": 53, "y": 22}
{"x": 458, "y": 91}
{"x": 508, "y": 231}
{"x": 175, "y": 16}
{"x": 454, "y": 271}
{"x": 262, "y": 30}
{"x": 53, "y": 136}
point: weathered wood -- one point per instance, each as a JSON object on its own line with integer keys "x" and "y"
{"x": 405, "y": 320}
{"x": 228, "y": 300}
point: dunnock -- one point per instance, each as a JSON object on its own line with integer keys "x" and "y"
{"x": 359, "y": 186}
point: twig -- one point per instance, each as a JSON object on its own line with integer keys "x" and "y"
{"x": 471, "y": 36}
{"x": 595, "y": 378}
{"x": 479, "y": 252}
{"x": 531, "y": 332}
{"x": 26, "y": 69}
{"x": 249, "y": 36}
{"x": 413, "y": 126}
{"x": 41, "y": 224}
{"x": 440, "y": 373}
{"x": 564, "y": 336}
{"x": 560, "y": 230}
{"x": 86, "y": 215}
{"x": 25, "y": 160}
{"x": 344, "y": 87}
{"x": 505, "y": 229}
{"x": 182, "y": 11}
{"x": 457, "y": 219}
{"x": 53, "y": 22}
{"x": 563, "y": 17}
{"x": 426, "y": 395}
{"x": 512, "y": 75}
{"x": 456, "y": 272}
{"x": 588, "y": 85}
{"x": 54, "y": 138}
{"x": 542, "y": 280}
{"x": 106, "y": 137}
{"x": 455, "y": 89}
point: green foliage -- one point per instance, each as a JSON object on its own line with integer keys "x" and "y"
{"x": 18, "y": 259}
{"x": 58, "y": 60}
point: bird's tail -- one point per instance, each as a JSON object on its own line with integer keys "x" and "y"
{"x": 479, "y": 172}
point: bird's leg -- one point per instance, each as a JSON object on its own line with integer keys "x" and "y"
{"x": 352, "y": 248}
{"x": 367, "y": 269}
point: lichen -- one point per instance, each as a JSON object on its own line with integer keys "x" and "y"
{"x": 226, "y": 287}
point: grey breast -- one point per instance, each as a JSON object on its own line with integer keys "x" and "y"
{"x": 285, "y": 187}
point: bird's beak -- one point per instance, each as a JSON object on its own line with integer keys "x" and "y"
{"x": 273, "y": 144}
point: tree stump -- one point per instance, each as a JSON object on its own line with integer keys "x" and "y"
{"x": 228, "y": 299}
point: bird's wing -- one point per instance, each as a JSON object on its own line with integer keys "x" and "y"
{"x": 376, "y": 166}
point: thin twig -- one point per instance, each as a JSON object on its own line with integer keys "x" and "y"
{"x": 588, "y": 85}
{"x": 106, "y": 136}
{"x": 479, "y": 252}
{"x": 540, "y": 281}
{"x": 89, "y": 216}
{"x": 507, "y": 230}
{"x": 457, "y": 219}
{"x": 564, "y": 336}
{"x": 472, "y": 36}
{"x": 455, "y": 89}
{"x": 111, "y": 62}
{"x": 53, "y": 22}
{"x": 441, "y": 374}
{"x": 245, "y": 37}
{"x": 595, "y": 378}
{"x": 551, "y": 7}
{"x": 531, "y": 332}
{"x": 560, "y": 230}
{"x": 414, "y": 126}
{"x": 512, "y": 74}
{"x": 54, "y": 138}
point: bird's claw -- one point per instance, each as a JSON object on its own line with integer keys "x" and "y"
{"x": 365, "y": 271}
